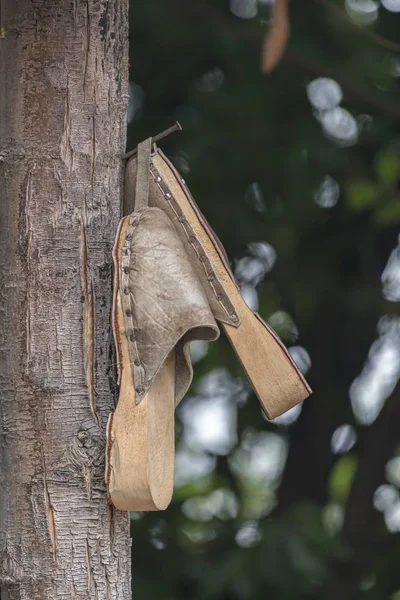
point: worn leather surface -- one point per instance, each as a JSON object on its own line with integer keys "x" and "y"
{"x": 163, "y": 300}
{"x": 221, "y": 311}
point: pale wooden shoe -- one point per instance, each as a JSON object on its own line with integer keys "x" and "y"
{"x": 273, "y": 374}
{"x": 159, "y": 308}
{"x": 140, "y": 437}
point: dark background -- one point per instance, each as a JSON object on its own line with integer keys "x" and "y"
{"x": 298, "y": 171}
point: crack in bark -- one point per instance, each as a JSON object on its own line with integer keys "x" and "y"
{"x": 67, "y": 152}
{"x": 28, "y": 230}
{"x": 110, "y": 515}
{"x": 88, "y": 322}
{"x": 50, "y": 511}
{"x": 88, "y": 481}
{"x": 89, "y": 565}
{"x": 93, "y": 153}
{"x": 87, "y": 46}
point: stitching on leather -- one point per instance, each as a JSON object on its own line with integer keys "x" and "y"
{"x": 222, "y": 298}
{"x": 213, "y": 236}
{"x": 127, "y": 257}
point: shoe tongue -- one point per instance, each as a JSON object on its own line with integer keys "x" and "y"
{"x": 164, "y": 304}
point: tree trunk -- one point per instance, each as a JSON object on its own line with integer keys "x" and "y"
{"x": 63, "y": 97}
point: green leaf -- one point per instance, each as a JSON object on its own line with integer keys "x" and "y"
{"x": 387, "y": 166}
{"x": 341, "y": 478}
{"x": 362, "y": 194}
{"x": 389, "y": 214}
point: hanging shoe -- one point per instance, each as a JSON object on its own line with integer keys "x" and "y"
{"x": 159, "y": 308}
{"x": 272, "y": 372}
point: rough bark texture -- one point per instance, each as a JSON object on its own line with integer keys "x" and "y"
{"x": 63, "y": 97}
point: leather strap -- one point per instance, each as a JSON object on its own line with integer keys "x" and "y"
{"x": 143, "y": 174}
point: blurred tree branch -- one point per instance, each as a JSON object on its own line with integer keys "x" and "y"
{"x": 310, "y": 456}
{"x": 378, "y": 100}
{"x": 251, "y": 33}
{"x": 375, "y": 37}
{"x": 360, "y": 531}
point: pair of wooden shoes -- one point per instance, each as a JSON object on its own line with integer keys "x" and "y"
{"x": 172, "y": 282}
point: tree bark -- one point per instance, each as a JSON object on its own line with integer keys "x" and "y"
{"x": 63, "y": 99}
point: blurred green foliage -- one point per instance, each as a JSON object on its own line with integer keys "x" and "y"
{"x": 273, "y": 159}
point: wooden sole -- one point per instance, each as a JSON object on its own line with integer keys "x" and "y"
{"x": 272, "y": 372}
{"x": 140, "y": 437}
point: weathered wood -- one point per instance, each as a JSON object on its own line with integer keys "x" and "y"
{"x": 141, "y": 437}
{"x": 63, "y": 97}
